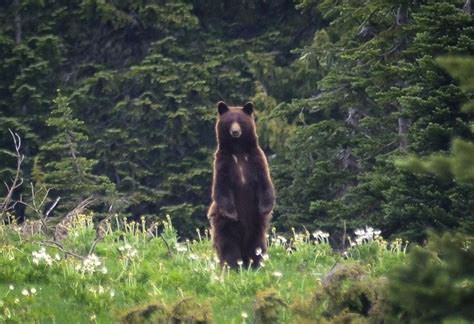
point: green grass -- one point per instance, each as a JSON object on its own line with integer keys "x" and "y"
{"x": 137, "y": 269}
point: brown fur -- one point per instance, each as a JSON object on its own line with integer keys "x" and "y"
{"x": 242, "y": 191}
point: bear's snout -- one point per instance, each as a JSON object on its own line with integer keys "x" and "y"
{"x": 235, "y": 130}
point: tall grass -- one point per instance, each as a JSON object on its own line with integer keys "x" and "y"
{"x": 125, "y": 270}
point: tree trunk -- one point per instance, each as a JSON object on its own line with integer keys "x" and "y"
{"x": 468, "y": 7}
{"x": 402, "y": 15}
{"x": 17, "y": 21}
{"x": 402, "y": 133}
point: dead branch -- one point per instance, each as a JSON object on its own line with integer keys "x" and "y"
{"x": 73, "y": 152}
{"x": 170, "y": 252}
{"x": 37, "y": 207}
{"x": 17, "y": 21}
{"x": 61, "y": 248}
{"x": 468, "y": 7}
{"x": 52, "y": 207}
{"x": 61, "y": 230}
{"x": 101, "y": 230}
{"x": 8, "y": 203}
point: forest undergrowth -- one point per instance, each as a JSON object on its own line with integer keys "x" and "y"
{"x": 134, "y": 272}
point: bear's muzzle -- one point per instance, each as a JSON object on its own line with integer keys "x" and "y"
{"x": 235, "y": 130}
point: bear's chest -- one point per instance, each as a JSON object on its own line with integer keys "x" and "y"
{"x": 242, "y": 170}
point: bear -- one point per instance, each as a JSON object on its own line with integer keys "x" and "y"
{"x": 243, "y": 195}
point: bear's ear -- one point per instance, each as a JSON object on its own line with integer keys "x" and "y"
{"x": 222, "y": 107}
{"x": 248, "y": 108}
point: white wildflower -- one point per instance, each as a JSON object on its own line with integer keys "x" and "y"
{"x": 277, "y": 274}
{"x": 103, "y": 270}
{"x": 240, "y": 262}
{"x": 112, "y": 294}
{"x": 33, "y": 291}
{"x": 367, "y": 235}
{"x": 244, "y": 315}
{"x": 11, "y": 287}
{"x": 42, "y": 256}
{"x": 181, "y": 248}
{"x": 258, "y": 251}
{"x": 128, "y": 251}
{"x": 369, "y": 231}
{"x": 282, "y": 239}
{"x": 317, "y": 234}
{"x": 25, "y": 292}
{"x": 90, "y": 264}
{"x": 265, "y": 256}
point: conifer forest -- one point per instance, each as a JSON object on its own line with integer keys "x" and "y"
{"x": 364, "y": 109}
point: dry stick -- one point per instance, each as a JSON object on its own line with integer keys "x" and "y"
{"x": 17, "y": 181}
{"x": 100, "y": 237}
{"x": 56, "y": 245}
{"x": 73, "y": 154}
{"x": 344, "y": 236}
{"x": 52, "y": 207}
{"x": 61, "y": 227}
{"x": 170, "y": 253}
{"x": 60, "y": 247}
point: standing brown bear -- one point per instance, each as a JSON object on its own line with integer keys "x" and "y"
{"x": 242, "y": 191}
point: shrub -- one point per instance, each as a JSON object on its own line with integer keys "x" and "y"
{"x": 437, "y": 282}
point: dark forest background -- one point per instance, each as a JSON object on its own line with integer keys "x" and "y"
{"x": 116, "y": 100}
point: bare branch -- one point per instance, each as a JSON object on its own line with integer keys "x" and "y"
{"x": 101, "y": 230}
{"x": 17, "y": 21}
{"x": 72, "y": 150}
{"x": 52, "y": 207}
{"x": 61, "y": 230}
{"x": 60, "y": 247}
{"x": 403, "y": 134}
{"x": 7, "y": 205}
{"x": 468, "y": 7}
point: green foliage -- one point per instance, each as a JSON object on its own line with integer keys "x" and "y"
{"x": 186, "y": 310}
{"x": 437, "y": 283}
{"x": 141, "y": 80}
{"x": 342, "y": 89}
{"x": 268, "y": 306}
{"x": 63, "y": 159}
{"x": 459, "y": 164}
{"x": 381, "y": 95}
{"x": 146, "y": 314}
{"x": 131, "y": 275}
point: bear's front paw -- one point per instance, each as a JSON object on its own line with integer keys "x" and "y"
{"x": 232, "y": 214}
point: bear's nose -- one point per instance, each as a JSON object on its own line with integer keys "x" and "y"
{"x": 235, "y": 130}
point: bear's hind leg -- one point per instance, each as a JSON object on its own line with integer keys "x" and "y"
{"x": 227, "y": 241}
{"x": 228, "y": 251}
{"x": 256, "y": 249}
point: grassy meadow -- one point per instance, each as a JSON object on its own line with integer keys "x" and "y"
{"x": 130, "y": 272}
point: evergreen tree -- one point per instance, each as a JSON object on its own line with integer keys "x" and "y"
{"x": 383, "y": 95}
{"x": 63, "y": 159}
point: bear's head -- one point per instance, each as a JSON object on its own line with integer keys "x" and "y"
{"x": 235, "y": 128}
